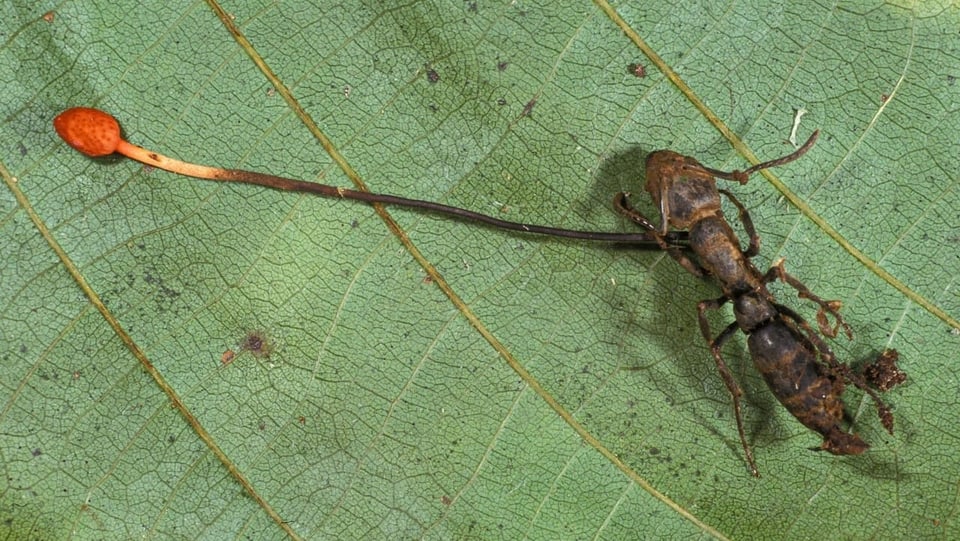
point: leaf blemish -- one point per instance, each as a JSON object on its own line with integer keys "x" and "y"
{"x": 528, "y": 108}
{"x": 257, "y": 343}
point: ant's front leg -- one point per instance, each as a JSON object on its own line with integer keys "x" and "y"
{"x": 716, "y": 344}
{"x": 622, "y": 205}
{"x": 831, "y": 307}
{"x": 754, "y": 247}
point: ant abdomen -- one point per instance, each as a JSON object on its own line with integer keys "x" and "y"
{"x": 807, "y": 388}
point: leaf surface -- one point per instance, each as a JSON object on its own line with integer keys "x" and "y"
{"x": 271, "y": 365}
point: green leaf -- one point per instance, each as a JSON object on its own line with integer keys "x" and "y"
{"x": 269, "y": 365}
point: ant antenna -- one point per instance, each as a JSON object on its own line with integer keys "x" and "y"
{"x": 742, "y": 176}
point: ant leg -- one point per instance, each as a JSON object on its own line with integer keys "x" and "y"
{"x": 621, "y": 205}
{"x": 831, "y": 307}
{"x": 716, "y": 344}
{"x": 839, "y": 369}
{"x": 754, "y": 247}
{"x": 883, "y": 410}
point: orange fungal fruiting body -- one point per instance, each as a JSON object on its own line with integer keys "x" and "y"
{"x": 90, "y": 131}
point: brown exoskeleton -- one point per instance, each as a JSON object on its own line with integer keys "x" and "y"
{"x": 798, "y": 366}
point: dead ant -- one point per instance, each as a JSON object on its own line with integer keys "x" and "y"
{"x": 784, "y": 348}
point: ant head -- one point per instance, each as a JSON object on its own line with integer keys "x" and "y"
{"x": 665, "y": 167}
{"x": 673, "y": 182}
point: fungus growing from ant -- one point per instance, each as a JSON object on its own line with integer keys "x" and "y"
{"x": 96, "y": 133}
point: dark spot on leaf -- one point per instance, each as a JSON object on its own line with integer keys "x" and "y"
{"x": 162, "y": 290}
{"x": 502, "y": 65}
{"x": 36, "y": 452}
{"x": 257, "y": 343}
{"x": 432, "y": 75}
{"x": 638, "y": 70}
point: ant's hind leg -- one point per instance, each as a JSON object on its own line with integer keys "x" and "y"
{"x": 841, "y": 370}
{"x": 831, "y": 307}
{"x": 621, "y": 205}
{"x": 716, "y": 344}
{"x": 883, "y": 410}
